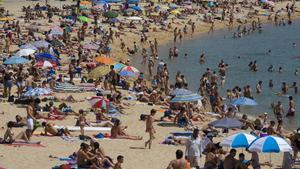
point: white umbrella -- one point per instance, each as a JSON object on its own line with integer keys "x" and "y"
{"x": 135, "y": 18}
{"x": 25, "y": 52}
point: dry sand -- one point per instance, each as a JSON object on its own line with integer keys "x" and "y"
{"x": 135, "y": 157}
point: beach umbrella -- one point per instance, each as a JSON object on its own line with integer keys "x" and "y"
{"x": 179, "y": 91}
{"x": 110, "y": 14}
{"x": 270, "y": 144}
{"x": 238, "y": 140}
{"x": 226, "y": 123}
{"x": 98, "y": 7}
{"x": 133, "y": 1}
{"x": 135, "y": 18}
{"x": 85, "y": 3}
{"x": 67, "y": 87}
{"x": 173, "y": 6}
{"x": 129, "y": 71}
{"x": 28, "y": 46}
{"x": 113, "y": 1}
{"x": 98, "y": 102}
{"x": 25, "y": 52}
{"x": 4, "y": 19}
{"x": 118, "y": 66}
{"x": 114, "y": 20}
{"x": 84, "y": 19}
{"x": 90, "y": 46}
{"x": 46, "y": 64}
{"x": 136, "y": 8}
{"x": 41, "y": 44}
{"x": 56, "y": 42}
{"x": 46, "y": 56}
{"x": 186, "y": 98}
{"x": 104, "y": 60}
{"x": 243, "y": 101}
{"x": 98, "y": 72}
{"x": 15, "y": 60}
{"x": 38, "y": 92}
{"x": 175, "y": 12}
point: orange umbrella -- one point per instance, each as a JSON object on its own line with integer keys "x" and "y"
{"x": 85, "y": 3}
{"x": 104, "y": 60}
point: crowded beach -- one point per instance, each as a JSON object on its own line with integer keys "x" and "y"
{"x": 72, "y": 96}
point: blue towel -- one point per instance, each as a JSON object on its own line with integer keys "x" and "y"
{"x": 185, "y": 133}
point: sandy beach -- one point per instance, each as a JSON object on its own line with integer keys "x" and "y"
{"x": 135, "y": 156}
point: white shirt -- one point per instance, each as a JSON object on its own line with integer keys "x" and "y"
{"x": 193, "y": 147}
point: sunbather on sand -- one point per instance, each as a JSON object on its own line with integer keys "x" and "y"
{"x": 24, "y": 135}
{"x": 101, "y": 119}
{"x": 118, "y": 132}
{"x": 49, "y": 128}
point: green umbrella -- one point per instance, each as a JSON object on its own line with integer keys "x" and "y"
{"x": 84, "y": 19}
{"x": 110, "y": 14}
{"x": 99, "y": 72}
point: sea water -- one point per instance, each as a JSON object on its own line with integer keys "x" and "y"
{"x": 238, "y": 53}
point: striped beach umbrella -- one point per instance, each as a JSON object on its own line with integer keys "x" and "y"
{"x": 270, "y": 144}
{"x": 67, "y": 87}
{"x": 38, "y": 92}
{"x": 186, "y": 98}
{"x": 98, "y": 102}
{"x": 238, "y": 140}
{"x": 119, "y": 66}
{"x": 129, "y": 71}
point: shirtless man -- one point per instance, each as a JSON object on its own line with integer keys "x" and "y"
{"x": 179, "y": 163}
{"x": 30, "y": 115}
{"x": 120, "y": 160}
{"x": 149, "y": 128}
{"x": 291, "y": 111}
{"x": 49, "y": 128}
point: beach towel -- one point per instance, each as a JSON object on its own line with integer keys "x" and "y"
{"x": 167, "y": 124}
{"x": 77, "y": 128}
{"x": 184, "y": 133}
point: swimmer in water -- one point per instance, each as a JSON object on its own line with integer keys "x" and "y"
{"x": 270, "y": 68}
{"x": 296, "y": 72}
{"x": 202, "y": 58}
{"x": 271, "y": 83}
{"x": 280, "y": 70}
{"x": 294, "y": 44}
{"x": 269, "y": 52}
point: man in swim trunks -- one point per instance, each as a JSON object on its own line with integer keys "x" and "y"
{"x": 49, "y": 128}
{"x": 149, "y": 128}
{"x": 291, "y": 111}
{"x": 179, "y": 163}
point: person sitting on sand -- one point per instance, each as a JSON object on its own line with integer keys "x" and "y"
{"x": 182, "y": 119}
{"x": 20, "y": 121}
{"x": 49, "y": 128}
{"x": 101, "y": 119}
{"x": 84, "y": 158}
{"x": 120, "y": 160}
{"x": 23, "y": 135}
{"x": 97, "y": 150}
{"x": 117, "y": 132}
{"x": 246, "y": 123}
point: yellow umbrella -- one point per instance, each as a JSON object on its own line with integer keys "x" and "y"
{"x": 99, "y": 72}
{"x": 85, "y": 3}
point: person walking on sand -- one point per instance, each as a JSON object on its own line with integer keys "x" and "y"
{"x": 194, "y": 149}
{"x": 211, "y": 29}
{"x": 179, "y": 163}
{"x": 149, "y": 128}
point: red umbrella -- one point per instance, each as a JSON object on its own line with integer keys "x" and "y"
{"x": 46, "y": 64}
{"x": 98, "y": 102}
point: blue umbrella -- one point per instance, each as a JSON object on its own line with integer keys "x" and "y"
{"x": 186, "y": 98}
{"x": 133, "y": 1}
{"x": 226, "y": 123}
{"x": 114, "y": 20}
{"x": 243, "y": 101}
{"x": 15, "y": 60}
{"x": 119, "y": 66}
{"x": 41, "y": 44}
{"x": 238, "y": 140}
{"x": 179, "y": 91}
{"x": 46, "y": 56}
{"x": 173, "y": 6}
{"x": 137, "y": 8}
{"x": 28, "y": 46}
{"x": 113, "y": 1}
{"x": 270, "y": 144}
